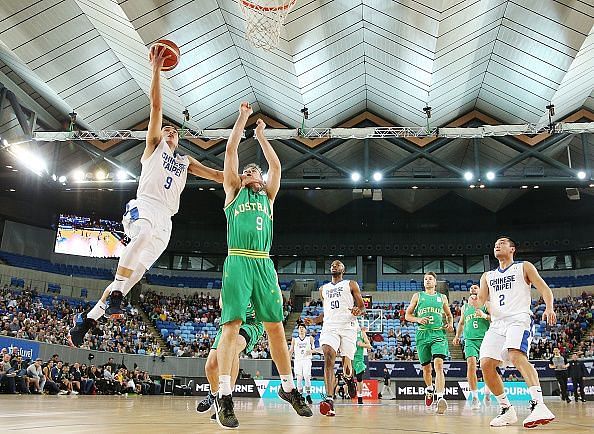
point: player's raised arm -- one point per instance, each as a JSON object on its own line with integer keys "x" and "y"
{"x": 532, "y": 277}
{"x": 232, "y": 181}
{"x": 198, "y": 169}
{"x": 153, "y": 135}
{"x": 274, "y": 164}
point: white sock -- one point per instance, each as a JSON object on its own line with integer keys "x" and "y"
{"x": 439, "y": 395}
{"x": 359, "y": 394}
{"x": 503, "y": 401}
{"x": 536, "y": 394}
{"x": 287, "y": 383}
{"x": 118, "y": 283}
{"x": 224, "y": 385}
{"x": 97, "y": 311}
{"x": 474, "y": 394}
{"x": 429, "y": 389}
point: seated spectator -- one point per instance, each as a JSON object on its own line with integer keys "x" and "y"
{"x": 7, "y": 376}
{"x": 36, "y": 377}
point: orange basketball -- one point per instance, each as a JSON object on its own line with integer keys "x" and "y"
{"x": 170, "y": 50}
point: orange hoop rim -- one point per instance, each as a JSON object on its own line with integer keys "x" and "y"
{"x": 251, "y": 5}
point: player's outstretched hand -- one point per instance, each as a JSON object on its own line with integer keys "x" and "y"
{"x": 157, "y": 58}
{"x": 245, "y": 109}
{"x": 260, "y": 126}
{"x": 549, "y": 316}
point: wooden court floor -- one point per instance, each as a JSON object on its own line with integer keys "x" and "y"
{"x": 165, "y": 414}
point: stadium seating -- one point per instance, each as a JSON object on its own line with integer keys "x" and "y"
{"x": 30, "y": 262}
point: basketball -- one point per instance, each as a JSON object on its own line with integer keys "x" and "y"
{"x": 170, "y": 50}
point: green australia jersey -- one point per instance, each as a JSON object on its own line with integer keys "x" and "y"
{"x": 474, "y": 327}
{"x": 359, "y": 350}
{"x": 430, "y": 305}
{"x": 249, "y": 223}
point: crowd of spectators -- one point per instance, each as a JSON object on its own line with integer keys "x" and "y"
{"x": 23, "y": 315}
{"x": 199, "y": 308}
{"x": 54, "y": 377}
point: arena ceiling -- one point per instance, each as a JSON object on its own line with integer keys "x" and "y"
{"x": 370, "y": 62}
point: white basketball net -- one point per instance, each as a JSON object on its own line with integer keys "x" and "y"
{"x": 264, "y": 20}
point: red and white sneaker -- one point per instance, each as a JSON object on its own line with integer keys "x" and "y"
{"x": 327, "y": 407}
{"x": 428, "y": 397}
{"x": 539, "y": 415}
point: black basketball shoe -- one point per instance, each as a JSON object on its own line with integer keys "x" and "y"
{"x": 296, "y": 400}
{"x": 352, "y": 386}
{"x": 114, "y": 305}
{"x": 82, "y": 324}
{"x": 206, "y": 403}
{"x": 225, "y": 413}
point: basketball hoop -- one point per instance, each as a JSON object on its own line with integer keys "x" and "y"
{"x": 264, "y": 19}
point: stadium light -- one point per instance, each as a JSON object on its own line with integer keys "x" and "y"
{"x": 581, "y": 174}
{"x": 78, "y": 175}
{"x": 121, "y": 175}
{"x": 100, "y": 175}
{"x": 377, "y": 176}
{"x": 468, "y": 176}
{"x": 62, "y": 179}
{"x": 28, "y": 159}
{"x": 355, "y": 176}
{"x": 490, "y": 175}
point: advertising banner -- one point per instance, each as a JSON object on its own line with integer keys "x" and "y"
{"x": 27, "y": 349}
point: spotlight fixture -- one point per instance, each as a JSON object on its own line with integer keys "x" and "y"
{"x": 62, "y": 179}
{"x": 581, "y": 174}
{"x": 100, "y": 175}
{"x": 427, "y": 111}
{"x": 551, "y": 109}
{"x": 78, "y": 175}
{"x": 72, "y": 117}
{"x": 377, "y": 176}
{"x": 468, "y": 176}
{"x": 186, "y": 114}
{"x": 305, "y": 112}
{"x": 490, "y": 175}
{"x": 355, "y": 176}
{"x": 121, "y": 175}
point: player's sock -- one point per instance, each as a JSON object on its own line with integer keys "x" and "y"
{"x": 287, "y": 382}
{"x": 439, "y": 395}
{"x": 224, "y": 385}
{"x": 502, "y": 400}
{"x": 97, "y": 311}
{"x": 359, "y": 394}
{"x": 536, "y": 394}
{"x": 430, "y": 389}
{"x": 474, "y": 394}
{"x": 118, "y": 283}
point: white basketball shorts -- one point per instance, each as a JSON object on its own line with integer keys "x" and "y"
{"x": 302, "y": 368}
{"x": 513, "y": 332}
{"x": 341, "y": 340}
{"x": 160, "y": 233}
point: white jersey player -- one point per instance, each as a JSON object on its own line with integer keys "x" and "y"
{"x": 342, "y": 304}
{"x": 507, "y": 289}
{"x": 147, "y": 220}
{"x": 302, "y": 347}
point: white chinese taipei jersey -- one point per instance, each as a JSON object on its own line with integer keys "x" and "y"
{"x": 302, "y": 347}
{"x": 338, "y": 300}
{"x": 163, "y": 178}
{"x": 509, "y": 294}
